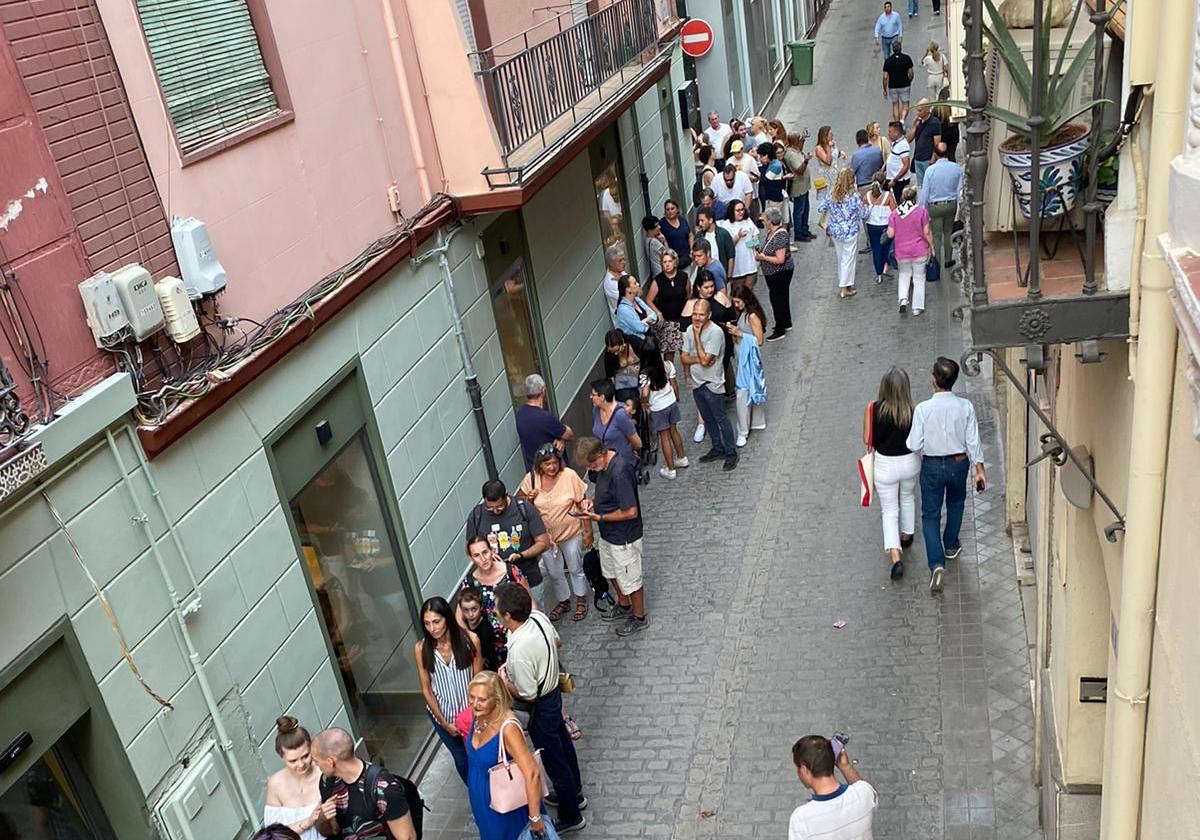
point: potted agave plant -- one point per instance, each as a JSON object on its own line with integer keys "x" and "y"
{"x": 1063, "y": 142}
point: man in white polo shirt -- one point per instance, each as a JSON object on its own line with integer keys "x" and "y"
{"x": 836, "y": 811}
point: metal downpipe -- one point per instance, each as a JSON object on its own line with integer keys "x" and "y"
{"x": 1124, "y": 755}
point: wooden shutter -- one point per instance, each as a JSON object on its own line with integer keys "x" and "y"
{"x": 209, "y": 66}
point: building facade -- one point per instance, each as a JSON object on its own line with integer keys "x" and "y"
{"x": 1094, "y": 355}
{"x": 202, "y": 534}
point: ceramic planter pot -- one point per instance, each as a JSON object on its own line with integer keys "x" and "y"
{"x": 1061, "y": 167}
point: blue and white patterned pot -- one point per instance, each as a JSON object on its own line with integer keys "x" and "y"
{"x": 1061, "y": 167}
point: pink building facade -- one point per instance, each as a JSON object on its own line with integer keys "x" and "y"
{"x": 206, "y": 529}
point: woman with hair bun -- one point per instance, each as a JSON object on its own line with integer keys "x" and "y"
{"x": 293, "y": 797}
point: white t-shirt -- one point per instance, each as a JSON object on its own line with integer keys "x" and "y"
{"x": 717, "y": 136}
{"x": 848, "y": 814}
{"x": 895, "y": 161}
{"x": 744, "y": 263}
{"x": 934, "y": 68}
{"x": 611, "y": 294}
{"x": 741, "y": 186}
{"x": 663, "y": 397}
{"x": 747, "y": 164}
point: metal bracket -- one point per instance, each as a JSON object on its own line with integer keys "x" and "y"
{"x": 971, "y": 366}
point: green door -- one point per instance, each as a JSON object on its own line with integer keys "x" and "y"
{"x": 347, "y": 527}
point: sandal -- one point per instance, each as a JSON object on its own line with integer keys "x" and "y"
{"x": 559, "y": 610}
{"x": 581, "y": 609}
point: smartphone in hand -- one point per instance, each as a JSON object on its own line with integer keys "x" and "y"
{"x": 979, "y": 485}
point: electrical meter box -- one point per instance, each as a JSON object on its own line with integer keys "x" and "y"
{"x": 198, "y": 263}
{"x": 135, "y": 288}
{"x": 105, "y": 314}
{"x": 177, "y": 308}
{"x": 202, "y": 804}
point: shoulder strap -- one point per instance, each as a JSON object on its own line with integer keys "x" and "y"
{"x": 549, "y": 653}
{"x": 502, "y": 753}
{"x": 871, "y": 425}
{"x": 370, "y": 780}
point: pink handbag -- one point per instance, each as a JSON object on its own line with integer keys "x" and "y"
{"x": 866, "y": 464}
{"x": 506, "y": 782}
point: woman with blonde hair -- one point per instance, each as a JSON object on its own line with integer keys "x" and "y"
{"x": 493, "y": 723}
{"x": 886, "y": 424}
{"x": 937, "y": 70}
{"x": 829, "y": 157}
{"x": 758, "y": 131}
{"x": 878, "y": 138}
{"x": 846, "y": 212}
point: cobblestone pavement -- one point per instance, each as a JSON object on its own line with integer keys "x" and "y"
{"x": 688, "y": 726}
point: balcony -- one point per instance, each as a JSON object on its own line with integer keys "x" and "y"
{"x": 542, "y": 88}
{"x": 1063, "y": 294}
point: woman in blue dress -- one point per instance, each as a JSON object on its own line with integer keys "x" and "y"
{"x": 491, "y": 706}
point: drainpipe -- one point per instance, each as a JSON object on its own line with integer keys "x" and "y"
{"x": 177, "y": 610}
{"x": 643, "y": 178}
{"x": 474, "y": 393}
{"x": 1126, "y": 736}
{"x": 406, "y": 102}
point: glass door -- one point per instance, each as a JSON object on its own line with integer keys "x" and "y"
{"x": 52, "y": 801}
{"x": 350, "y": 543}
{"x": 513, "y": 305}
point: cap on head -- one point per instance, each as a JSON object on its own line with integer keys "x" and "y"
{"x": 735, "y": 146}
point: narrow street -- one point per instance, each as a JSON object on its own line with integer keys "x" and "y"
{"x": 688, "y": 726}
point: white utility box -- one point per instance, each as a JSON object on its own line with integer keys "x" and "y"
{"x": 105, "y": 314}
{"x": 135, "y": 288}
{"x": 177, "y": 308}
{"x": 202, "y": 804}
{"x": 198, "y": 263}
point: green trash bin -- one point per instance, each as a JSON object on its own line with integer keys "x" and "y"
{"x": 802, "y": 61}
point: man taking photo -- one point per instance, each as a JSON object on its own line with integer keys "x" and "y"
{"x": 837, "y": 810}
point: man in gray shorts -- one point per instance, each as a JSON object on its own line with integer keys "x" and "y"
{"x": 897, "y": 79}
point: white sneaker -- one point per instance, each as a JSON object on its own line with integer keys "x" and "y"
{"x": 666, "y": 473}
{"x": 699, "y": 435}
{"x": 741, "y": 441}
{"x": 682, "y": 462}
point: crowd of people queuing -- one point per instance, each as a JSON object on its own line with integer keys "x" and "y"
{"x": 568, "y": 540}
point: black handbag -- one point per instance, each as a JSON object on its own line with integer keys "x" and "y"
{"x": 933, "y": 270}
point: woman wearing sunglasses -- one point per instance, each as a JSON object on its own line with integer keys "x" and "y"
{"x": 556, "y": 491}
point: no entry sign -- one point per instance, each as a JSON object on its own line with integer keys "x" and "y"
{"x": 696, "y": 37}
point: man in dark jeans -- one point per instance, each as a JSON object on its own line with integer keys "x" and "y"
{"x": 531, "y": 673}
{"x": 946, "y": 433}
{"x": 704, "y": 350}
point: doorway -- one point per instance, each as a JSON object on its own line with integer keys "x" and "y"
{"x": 353, "y": 552}
{"x": 53, "y": 800}
{"x": 514, "y": 304}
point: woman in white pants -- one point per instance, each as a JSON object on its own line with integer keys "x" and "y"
{"x": 886, "y": 423}
{"x": 909, "y": 227}
{"x": 556, "y": 491}
{"x": 846, "y": 212}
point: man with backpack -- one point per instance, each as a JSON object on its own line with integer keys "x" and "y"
{"x": 514, "y": 530}
{"x": 357, "y": 798}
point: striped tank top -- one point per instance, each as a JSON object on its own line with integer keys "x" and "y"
{"x": 449, "y": 684}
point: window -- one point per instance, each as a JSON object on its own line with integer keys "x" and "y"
{"x": 211, "y": 67}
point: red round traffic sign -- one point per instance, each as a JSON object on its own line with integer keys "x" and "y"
{"x": 696, "y": 37}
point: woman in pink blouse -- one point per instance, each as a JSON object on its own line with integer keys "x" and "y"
{"x": 909, "y": 227}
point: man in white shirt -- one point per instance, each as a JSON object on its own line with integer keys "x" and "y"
{"x": 531, "y": 673}
{"x": 614, "y": 259}
{"x": 717, "y": 133}
{"x": 732, "y": 185}
{"x": 946, "y": 433}
{"x": 899, "y": 160}
{"x": 745, "y": 163}
{"x": 837, "y": 811}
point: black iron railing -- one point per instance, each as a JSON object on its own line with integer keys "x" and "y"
{"x": 14, "y": 422}
{"x": 1087, "y": 314}
{"x": 530, "y": 83}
